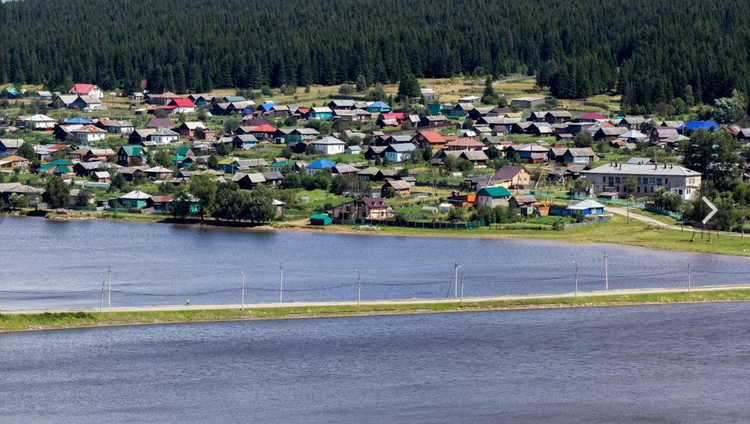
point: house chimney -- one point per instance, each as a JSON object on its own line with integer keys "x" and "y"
{"x": 655, "y": 167}
{"x": 665, "y": 164}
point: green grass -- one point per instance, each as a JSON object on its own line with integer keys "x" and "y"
{"x": 615, "y": 231}
{"x": 48, "y": 321}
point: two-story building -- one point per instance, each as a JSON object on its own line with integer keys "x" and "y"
{"x": 611, "y": 178}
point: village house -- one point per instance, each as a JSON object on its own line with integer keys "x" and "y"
{"x": 87, "y": 90}
{"x": 319, "y": 165}
{"x": 463, "y": 144}
{"x": 529, "y": 153}
{"x": 579, "y": 155}
{"x": 319, "y": 113}
{"x": 101, "y": 176}
{"x": 159, "y": 123}
{"x": 11, "y": 163}
{"x": 201, "y": 99}
{"x": 131, "y": 156}
{"x": 89, "y": 134}
{"x": 134, "y": 200}
{"x": 189, "y": 129}
{"x": 493, "y": 196}
{"x": 115, "y": 126}
{"x": 631, "y": 122}
{"x": 660, "y": 134}
{"x": 39, "y": 123}
{"x": 10, "y": 146}
{"x": 429, "y": 95}
{"x": 362, "y": 208}
{"x": 158, "y": 173}
{"x": 609, "y": 133}
{"x": 432, "y": 121}
{"x": 527, "y": 102}
{"x": 511, "y": 176}
{"x": 9, "y": 189}
{"x": 429, "y": 140}
{"x": 401, "y": 188}
{"x": 329, "y": 146}
{"x": 378, "y": 107}
{"x": 244, "y": 142}
{"x": 611, "y": 179}
{"x": 399, "y": 152}
{"x": 163, "y": 136}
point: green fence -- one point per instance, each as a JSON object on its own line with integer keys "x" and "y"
{"x": 422, "y": 224}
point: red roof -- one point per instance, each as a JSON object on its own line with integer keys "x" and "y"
{"x": 394, "y": 115}
{"x": 182, "y": 103}
{"x": 433, "y": 137}
{"x": 303, "y": 110}
{"x": 82, "y": 89}
{"x": 592, "y": 117}
{"x": 264, "y": 128}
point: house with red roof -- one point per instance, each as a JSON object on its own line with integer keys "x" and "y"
{"x": 591, "y": 117}
{"x": 182, "y": 106}
{"x": 263, "y": 132}
{"x": 429, "y": 139}
{"x": 87, "y": 90}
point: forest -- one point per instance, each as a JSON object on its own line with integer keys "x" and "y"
{"x": 649, "y": 51}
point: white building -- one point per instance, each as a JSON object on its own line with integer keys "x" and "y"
{"x": 164, "y": 136}
{"x": 611, "y": 178}
{"x": 330, "y": 145}
{"x": 89, "y": 133}
{"x": 39, "y": 122}
{"x": 399, "y": 152}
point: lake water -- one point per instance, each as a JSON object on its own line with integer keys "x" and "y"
{"x": 58, "y": 264}
{"x": 651, "y": 364}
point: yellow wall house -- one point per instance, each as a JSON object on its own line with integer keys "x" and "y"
{"x": 12, "y": 162}
{"x": 511, "y": 176}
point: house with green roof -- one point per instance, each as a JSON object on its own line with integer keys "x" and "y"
{"x": 132, "y": 155}
{"x": 320, "y": 219}
{"x": 229, "y": 165}
{"x": 277, "y": 166}
{"x": 493, "y": 196}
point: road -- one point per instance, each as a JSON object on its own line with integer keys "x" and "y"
{"x": 647, "y": 219}
{"x": 193, "y": 307}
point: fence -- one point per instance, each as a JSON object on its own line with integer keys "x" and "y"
{"x": 620, "y": 203}
{"x": 414, "y": 224}
{"x": 598, "y": 220}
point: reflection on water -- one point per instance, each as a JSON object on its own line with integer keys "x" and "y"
{"x": 47, "y": 264}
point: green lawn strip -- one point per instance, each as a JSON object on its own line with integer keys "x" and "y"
{"x": 48, "y": 321}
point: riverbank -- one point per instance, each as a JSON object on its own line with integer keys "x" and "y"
{"x": 15, "y": 321}
{"x": 616, "y": 231}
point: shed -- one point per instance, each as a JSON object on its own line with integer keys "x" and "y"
{"x": 320, "y": 219}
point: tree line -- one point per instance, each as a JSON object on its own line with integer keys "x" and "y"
{"x": 651, "y": 52}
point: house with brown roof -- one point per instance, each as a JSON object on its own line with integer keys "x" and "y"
{"x": 511, "y": 176}
{"x": 464, "y": 144}
{"x": 402, "y": 188}
{"x": 362, "y": 208}
{"x": 660, "y": 134}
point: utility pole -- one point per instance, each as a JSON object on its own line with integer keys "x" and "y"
{"x": 462, "y": 286}
{"x": 101, "y": 302}
{"x": 606, "y": 272}
{"x": 688, "y": 276}
{"x": 281, "y": 282}
{"x": 359, "y": 288}
{"x": 242, "y": 308}
{"x": 455, "y": 277}
{"x": 576, "y": 294}
{"x": 109, "y": 298}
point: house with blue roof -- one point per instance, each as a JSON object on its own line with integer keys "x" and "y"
{"x": 76, "y": 121}
{"x": 691, "y": 126}
{"x": 319, "y": 165}
{"x": 266, "y": 106}
{"x": 378, "y": 107}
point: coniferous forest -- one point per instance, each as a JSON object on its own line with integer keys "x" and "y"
{"x": 649, "y": 51}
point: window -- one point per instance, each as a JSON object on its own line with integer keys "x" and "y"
{"x": 604, "y": 179}
{"x": 617, "y": 188}
{"x": 666, "y": 181}
{"x": 638, "y": 190}
{"x": 639, "y": 180}
{"x": 617, "y": 179}
{"x": 652, "y": 182}
{"x": 658, "y": 181}
{"x": 680, "y": 192}
{"x": 652, "y": 189}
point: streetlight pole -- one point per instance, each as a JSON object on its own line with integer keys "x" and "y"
{"x": 242, "y": 308}
{"x": 101, "y": 302}
{"x": 455, "y": 278}
{"x": 359, "y": 288}
{"x": 281, "y": 282}
{"x": 576, "y": 292}
{"x": 606, "y": 273}
{"x": 688, "y": 276}
{"x": 462, "y": 286}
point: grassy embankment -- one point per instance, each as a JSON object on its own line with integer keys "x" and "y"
{"x": 616, "y": 231}
{"x": 49, "y": 321}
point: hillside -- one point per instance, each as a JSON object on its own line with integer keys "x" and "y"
{"x": 663, "y": 49}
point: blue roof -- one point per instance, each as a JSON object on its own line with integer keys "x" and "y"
{"x": 320, "y": 164}
{"x": 379, "y": 104}
{"x": 697, "y": 125}
{"x": 77, "y": 120}
{"x": 267, "y": 106}
{"x": 249, "y": 111}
